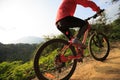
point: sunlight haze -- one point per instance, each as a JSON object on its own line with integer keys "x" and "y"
{"x": 21, "y": 18}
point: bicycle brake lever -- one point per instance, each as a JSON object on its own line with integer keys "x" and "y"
{"x": 101, "y": 11}
{"x": 98, "y": 13}
{"x": 95, "y": 15}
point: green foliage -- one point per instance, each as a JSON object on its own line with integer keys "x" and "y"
{"x": 16, "y": 71}
{"x": 19, "y": 70}
{"x": 15, "y": 52}
{"x": 48, "y": 55}
{"x": 112, "y": 30}
{"x": 115, "y": 30}
{"x": 115, "y": 0}
{"x": 61, "y": 36}
{"x": 47, "y": 60}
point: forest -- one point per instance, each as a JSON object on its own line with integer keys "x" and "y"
{"x": 13, "y": 52}
{"x": 16, "y": 60}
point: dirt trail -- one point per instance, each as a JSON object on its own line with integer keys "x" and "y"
{"x": 91, "y": 69}
{"x": 95, "y": 70}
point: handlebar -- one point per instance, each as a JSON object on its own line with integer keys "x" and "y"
{"x": 95, "y": 15}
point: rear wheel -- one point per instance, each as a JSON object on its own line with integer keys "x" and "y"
{"x": 47, "y": 64}
{"x": 99, "y": 46}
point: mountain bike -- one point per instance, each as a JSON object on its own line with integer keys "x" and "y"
{"x": 56, "y": 59}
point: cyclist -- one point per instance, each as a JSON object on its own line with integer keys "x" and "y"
{"x": 65, "y": 19}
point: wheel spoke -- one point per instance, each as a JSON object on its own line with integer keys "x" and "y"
{"x": 99, "y": 46}
{"x": 48, "y": 64}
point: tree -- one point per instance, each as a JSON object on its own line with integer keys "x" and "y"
{"x": 115, "y": 32}
{"x": 12, "y": 52}
{"x": 115, "y": 0}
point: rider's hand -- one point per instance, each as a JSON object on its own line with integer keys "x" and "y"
{"x": 99, "y": 12}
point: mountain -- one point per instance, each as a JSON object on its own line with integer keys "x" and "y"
{"x": 29, "y": 40}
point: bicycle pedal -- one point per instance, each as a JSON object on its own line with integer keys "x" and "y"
{"x": 80, "y": 60}
{"x": 59, "y": 71}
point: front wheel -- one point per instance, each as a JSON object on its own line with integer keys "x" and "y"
{"x": 99, "y": 46}
{"x": 47, "y": 63}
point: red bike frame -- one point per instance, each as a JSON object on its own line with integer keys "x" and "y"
{"x": 79, "y": 54}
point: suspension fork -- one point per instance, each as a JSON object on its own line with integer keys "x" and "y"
{"x": 98, "y": 40}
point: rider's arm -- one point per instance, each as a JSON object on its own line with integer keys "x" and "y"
{"x": 88, "y": 3}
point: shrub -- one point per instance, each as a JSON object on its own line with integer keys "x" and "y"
{"x": 16, "y": 71}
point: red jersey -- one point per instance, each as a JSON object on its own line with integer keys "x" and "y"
{"x": 67, "y": 7}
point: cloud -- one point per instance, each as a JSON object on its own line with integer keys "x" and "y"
{"x": 113, "y": 10}
{"x": 105, "y": 1}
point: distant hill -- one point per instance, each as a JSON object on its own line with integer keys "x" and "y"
{"x": 17, "y": 52}
{"x": 29, "y": 40}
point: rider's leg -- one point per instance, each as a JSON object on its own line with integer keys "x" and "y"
{"x": 65, "y": 31}
{"x": 82, "y": 30}
{"x": 70, "y": 22}
{"x": 80, "y": 33}
{"x": 86, "y": 34}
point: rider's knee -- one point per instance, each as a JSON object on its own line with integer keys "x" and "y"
{"x": 60, "y": 28}
{"x": 88, "y": 26}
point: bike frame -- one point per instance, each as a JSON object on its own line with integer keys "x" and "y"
{"x": 78, "y": 56}
{"x": 65, "y": 59}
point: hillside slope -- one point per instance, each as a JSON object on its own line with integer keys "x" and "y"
{"x": 95, "y": 70}
{"x": 91, "y": 69}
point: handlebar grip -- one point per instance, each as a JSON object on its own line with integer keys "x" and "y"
{"x": 98, "y": 13}
{"x": 101, "y": 11}
{"x": 95, "y": 15}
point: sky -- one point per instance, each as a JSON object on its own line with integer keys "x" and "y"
{"x": 22, "y": 18}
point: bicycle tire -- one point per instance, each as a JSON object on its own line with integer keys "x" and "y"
{"x": 37, "y": 70}
{"x": 98, "y": 45}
